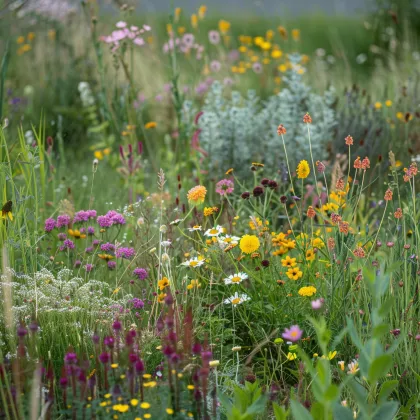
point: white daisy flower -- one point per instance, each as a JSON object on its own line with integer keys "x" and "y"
{"x": 228, "y": 240}
{"x": 194, "y": 262}
{"x": 165, "y": 244}
{"x": 176, "y": 222}
{"x": 235, "y": 278}
{"x": 236, "y": 299}
{"x": 216, "y": 231}
{"x": 194, "y": 228}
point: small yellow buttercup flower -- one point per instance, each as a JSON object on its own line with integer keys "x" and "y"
{"x": 307, "y": 291}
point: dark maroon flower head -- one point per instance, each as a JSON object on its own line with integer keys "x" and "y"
{"x": 104, "y": 358}
{"x": 265, "y": 182}
{"x": 109, "y": 341}
{"x": 139, "y": 366}
{"x": 169, "y": 299}
{"x": 172, "y": 336}
{"x": 258, "y": 191}
{"x": 117, "y": 325}
{"x": 272, "y": 184}
{"x": 206, "y": 355}
{"x": 175, "y": 358}
{"x": 70, "y": 358}
{"x": 265, "y": 263}
{"x": 245, "y": 195}
{"x": 196, "y": 348}
{"x": 396, "y": 332}
{"x": 168, "y": 351}
{"x": 283, "y": 199}
{"x": 63, "y": 382}
{"x": 22, "y": 331}
{"x": 133, "y": 358}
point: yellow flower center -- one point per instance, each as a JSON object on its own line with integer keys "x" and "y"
{"x": 236, "y": 301}
{"x": 236, "y": 279}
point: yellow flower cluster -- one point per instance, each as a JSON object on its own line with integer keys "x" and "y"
{"x": 307, "y": 291}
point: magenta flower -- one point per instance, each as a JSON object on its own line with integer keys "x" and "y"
{"x": 88, "y": 268}
{"x": 224, "y": 187}
{"x": 107, "y": 247}
{"x": 127, "y": 253}
{"x": 112, "y": 265}
{"x": 294, "y": 333}
{"x": 63, "y": 220}
{"x": 140, "y": 273}
{"x": 49, "y": 225}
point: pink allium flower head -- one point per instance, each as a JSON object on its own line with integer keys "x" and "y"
{"x": 293, "y": 334}
{"x": 188, "y": 40}
{"x": 224, "y": 187}
{"x": 214, "y": 37}
{"x": 215, "y": 66}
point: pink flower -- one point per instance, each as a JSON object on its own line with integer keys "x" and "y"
{"x": 224, "y": 187}
{"x": 317, "y": 304}
{"x": 293, "y": 334}
{"x": 139, "y": 41}
{"x": 214, "y": 37}
{"x": 121, "y": 24}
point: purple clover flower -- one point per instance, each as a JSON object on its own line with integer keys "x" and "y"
{"x": 112, "y": 265}
{"x": 140, "y": 273}
{"x": 137, "y": 303}
{"x": 67, "y": 244}
{"x": 49, "y": 225}
{"x": 63, "y": 220}
{"x": 88, "y": 268}
{"x": 62, "y": 236}
{"x": 91, "y": 230}
{"x": 123, "y": 252}
{"x": 107, "y": 247}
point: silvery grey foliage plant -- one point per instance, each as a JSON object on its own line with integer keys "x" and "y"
{"x": 238, "y": 130}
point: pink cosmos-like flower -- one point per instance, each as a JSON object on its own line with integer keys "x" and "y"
{"x": 293, "y": 334}
{"x": 224, "y": 187}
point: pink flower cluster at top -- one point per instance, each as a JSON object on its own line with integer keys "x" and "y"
{"x": 132, "y": 33}
{"x": 225, "y": 187}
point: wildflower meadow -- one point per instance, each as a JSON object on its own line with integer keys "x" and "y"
{"x": 209, "y": 215}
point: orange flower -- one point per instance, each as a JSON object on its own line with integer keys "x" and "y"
{"x": 197, "y": 194}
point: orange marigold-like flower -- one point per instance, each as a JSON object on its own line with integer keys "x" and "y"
{"x": 388, "y": 195}
{"x": 281, "y": 130}
{"x": 311, "y": 212}
{"x": 398, "y": 213}
{"x": 349, "y": 140}
{"x": 197, "y": 194}
{"x": 307, "y": 119}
